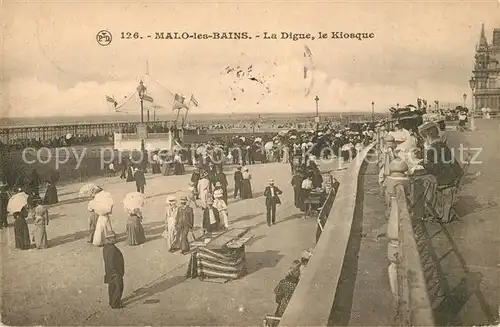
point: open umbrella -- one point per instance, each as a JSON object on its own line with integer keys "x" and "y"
{"x": 17, "y": 202}
{"x": 102, "y": 203}
{"x": 89, "y": 189}
{"x": 69, "y": 136}
{"x": 269, "y": 146}
{"x": 133, "y": 200}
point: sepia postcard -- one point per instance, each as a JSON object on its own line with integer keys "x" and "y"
{"x": 250, "y": 163}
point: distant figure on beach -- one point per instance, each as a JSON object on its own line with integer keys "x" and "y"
{"x": 140, "y": 180}
{"x": 21, "y": 231}
{"x": 114, "y": 268}
{"x": 40, "y": 221}
{"x": 51, "y": 194}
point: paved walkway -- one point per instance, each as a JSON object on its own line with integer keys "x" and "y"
{"x": 63, "y": 285}
{"x": 465, "y": 254}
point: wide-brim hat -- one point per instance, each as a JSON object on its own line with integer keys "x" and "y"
{"x": 183, "y": 199}
{"x": 271, "y": 181}
{"x": 171, "y": 199}
{"x": 218, "y": 184}
{"x": 427, "y": 126}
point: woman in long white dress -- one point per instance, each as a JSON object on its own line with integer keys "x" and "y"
{"x": 221, "y": 206}
{"x": 103, "y": 206}
{"x": 171, "y": 233}
{"x": 204, "y": 189}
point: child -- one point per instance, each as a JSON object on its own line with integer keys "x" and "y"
{"x": 221, "y": 206}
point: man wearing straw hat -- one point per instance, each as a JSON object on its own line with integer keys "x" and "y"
{"x": 185, "y": 219}
{"x": 114, "y": 266}
{"x": 272, "y": 199}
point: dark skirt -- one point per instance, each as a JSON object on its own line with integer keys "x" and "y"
{"x": 246, "y": 189}
{"x": 155, "y": 167}
{"x": 135, "y": 231}
{"x": 22, "y": 234}
{"x": 51, "y": 195}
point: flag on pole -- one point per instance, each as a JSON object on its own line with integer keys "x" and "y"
{"x": 193, "y": 100}
{"x": 146, "y": 97}
{"x": 179, "y": 102}
{"x": 112, "y": 100}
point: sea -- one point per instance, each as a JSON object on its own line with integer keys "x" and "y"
{"x": 216, "y": 118}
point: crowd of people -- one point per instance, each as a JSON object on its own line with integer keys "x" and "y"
{"x": 206, "y": 193}
{"x": 420, "y": 141}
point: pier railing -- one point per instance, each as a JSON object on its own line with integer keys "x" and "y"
{"x": 406, "y": 275}
{"x": 405, "y": 271}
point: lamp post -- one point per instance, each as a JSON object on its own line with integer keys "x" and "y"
{"x": 472, "y": 84}
{"x": 465, "y": 99}
{"x": 373, "y": 112}
{"x": 317, "y": 112}
{"x": 141, "y": 90}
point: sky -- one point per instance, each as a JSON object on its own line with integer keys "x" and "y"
{"x": 52, "y": 64}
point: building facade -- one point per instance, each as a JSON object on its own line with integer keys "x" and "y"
{"x": 487, "y": 72}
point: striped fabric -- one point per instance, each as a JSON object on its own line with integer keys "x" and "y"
{"x": 221, "y": 263}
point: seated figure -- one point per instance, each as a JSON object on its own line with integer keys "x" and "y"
{"x": 444, "y": 174}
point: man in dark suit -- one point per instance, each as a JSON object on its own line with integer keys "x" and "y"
{"x": 272, "y": 194}
{"x": 221, "y": 178}
{"x": 297, "y": 179}
{"x": 114, "y": 266}
{"x": 185, "y": 218}
{"x": 238, "y": 178}
{"x": 211, "y": 218}
{"x": 140, "y": 180}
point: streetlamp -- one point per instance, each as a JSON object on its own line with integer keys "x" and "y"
{"x": 472, "y": 84}
{"x": 317, "y": 112}
{"x": 465, "y": 99}
{"x": 373, "y": 112}
{"x": 141, "y": 90}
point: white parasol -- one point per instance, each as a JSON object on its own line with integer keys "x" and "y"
{"x": 69, "y": 136}
{"x": 103, "y": 203}
{"x": 89, "y": 189}
{"x": 201, "y": 150}
{"x": 269, "y": 146}
{"x": 17, "y": 202}
{"x": 133, "y": 200}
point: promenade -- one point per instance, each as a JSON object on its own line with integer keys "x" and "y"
{"x": 63, "y": 285}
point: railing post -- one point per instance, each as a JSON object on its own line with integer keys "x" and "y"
{"x": 397, "y": 169}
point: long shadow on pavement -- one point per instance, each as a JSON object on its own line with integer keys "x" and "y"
{"x": 60, "y": 240}
{"x": 246, "y": 217}
{"x": 259, "y": 260}
{"x": 52, "y": 216}
{"x": 166, "y": 283}
{"x": 294, "y": 216}
{"x": 69, "y": 201}
{"x": 150, "y": 229}
{"x": 468, "y": 204}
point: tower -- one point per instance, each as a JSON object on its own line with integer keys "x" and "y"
{"x": 487, "y": 91}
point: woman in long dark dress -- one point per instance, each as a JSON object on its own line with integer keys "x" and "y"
{"x": 21, "y": 231}
{"x": 51, "y": 194}
{"x": 246, "y": 186}
{"x": 285, "y": 289}
{"x": 135, "y": 231}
